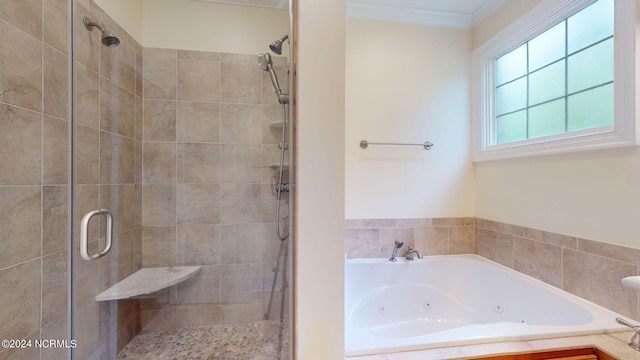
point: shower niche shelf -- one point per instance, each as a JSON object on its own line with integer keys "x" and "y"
{"x": 276, "y": 125}
{"x": 276, "y": 166}
{"x": 148, "y": 280}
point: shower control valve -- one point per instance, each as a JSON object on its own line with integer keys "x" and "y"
{"x": 280, "y": 187}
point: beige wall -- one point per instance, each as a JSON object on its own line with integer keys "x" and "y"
{"x": 407, "y": 83}
{"x": 319, "y": 247}
{"x": 127, "y": 13}
{"x": 593, "y": 195}
{"x": 199, "y": 25}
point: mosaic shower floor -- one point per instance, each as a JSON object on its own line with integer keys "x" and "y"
{"x": 254, "y": 341}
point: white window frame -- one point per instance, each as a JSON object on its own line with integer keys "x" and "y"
{"x": 548, "y": 13}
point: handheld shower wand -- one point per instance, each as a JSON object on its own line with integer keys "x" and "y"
{"x": 264, "y": 61}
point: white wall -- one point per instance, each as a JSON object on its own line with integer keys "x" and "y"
{"x": 593, "y": 195}
{"x": 407, "y": 83}
{"x": 199, "y": 25}
{"x": 127, "y": 13}
{"x": 319, "y": 247}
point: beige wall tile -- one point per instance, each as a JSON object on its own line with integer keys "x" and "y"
{"x": 117, "y": 109}
{"x": 239, "y": 203}
{"x": 237, "y": 245}
{"x": 235, "y": 282}
{"x": 598, "y": 279}
{"x": 56, "y": 25}
{"x": 388, "y": 237}
{"x": 268, "y": 202}
{"x": 120, "y": 200}
{"x": 268, "y": 91}
{"x": 20, "y": 146}
{"x": 198, "y": 163}
{"x": 87, "y": 155}
{"x": 118, "y": 64}
{"x": 154, "y": 320}
{"x": 610, "y": 251}
{"x": 158, "y": 246}
{"x": 56, "y": 83}
{"x": 160, "y": 79}
{"x": 541, "y": 261}
{"x": 496, "y": 246}
{"x": 271, "y": 114}
{"x": 25, "y": 15}
{"x": 87, "y": 43}
{"x": 139, "y": 118}
{"x": 197, "y": 315}
{"x": 55, "y": 157}
{"x": 55, "y": 207}
{"x": 56, "y": 330}
{"x": 159, "y": 163}
{"x": 414, "y": 223}
{"x": 198, "y": 212}
{"x": 19, "y": 296}
{"x": 504, "y": 228}
{"x": 20, "y": 223}
{"x": 159, "y": 120}
{"x": 432, "y": 241}
{"x": 362, "y": 243}
{"x": 87, "y": 97}
{"x": 198, "y": 55}
{"x": 116, "y": 159}
{"x": 198, "y": 122}
{"x": 139, "y": 76}
{"x": 158, "y": 205}
{"x": 241, "y": 83}
{"x": 199, "y": 245}
{"x": 241, "y": 124}
{"x": 55, "y": 282}
{"x": 198, "y": 80}
{"x": 462, "y": 240}
{"x": 379, "y": 223}
{"x": 203, "y": 288}
{"x": 240, "y": 163}
{"x": 240, "y": 313}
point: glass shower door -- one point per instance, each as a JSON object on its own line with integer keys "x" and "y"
{"x": 180, "y": 148}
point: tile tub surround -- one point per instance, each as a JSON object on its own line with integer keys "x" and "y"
{"x": 372, "y": 238}
{"x": 586, "y": 268}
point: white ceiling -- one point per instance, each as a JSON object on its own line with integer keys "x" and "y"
{"x": 451, "y": 13}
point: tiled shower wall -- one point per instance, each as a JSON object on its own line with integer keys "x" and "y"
{"x": 208, "y": 194}
{"x": 586, "y": 268}
{"x": 108, "y": 149}
{"x": 34, "y": 186}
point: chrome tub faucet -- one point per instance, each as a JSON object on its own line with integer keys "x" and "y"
{"x": 397, "y": 246}
{"x": 412, "y": 254}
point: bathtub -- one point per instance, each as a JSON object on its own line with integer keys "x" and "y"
{"x": 455, "y": 300}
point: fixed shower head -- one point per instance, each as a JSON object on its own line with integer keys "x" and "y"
{"x": 276, "y": 46}
{"x": 108, "y": 39}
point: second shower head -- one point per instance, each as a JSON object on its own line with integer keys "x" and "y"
{"x": 276, "y": 46}
{"x": 108, "y": 38}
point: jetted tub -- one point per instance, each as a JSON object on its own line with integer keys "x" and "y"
{"x": 457, "y": 300}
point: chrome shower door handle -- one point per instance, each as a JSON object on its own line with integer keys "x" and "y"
{"x": 84, "y": 234}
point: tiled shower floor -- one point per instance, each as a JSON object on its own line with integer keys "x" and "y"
{"x": 263, "y": 340}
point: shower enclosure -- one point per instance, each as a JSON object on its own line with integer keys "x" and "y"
{"x": 142, "y": 195}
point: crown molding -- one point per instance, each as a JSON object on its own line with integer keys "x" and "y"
{"x": 422, "y": 16}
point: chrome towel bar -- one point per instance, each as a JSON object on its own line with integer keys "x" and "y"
{"x": 426, "y": 145}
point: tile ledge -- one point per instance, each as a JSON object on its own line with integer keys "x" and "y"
{"x": 615, "y": 344}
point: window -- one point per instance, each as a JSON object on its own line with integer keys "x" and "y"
{"x": 560, "y": 79}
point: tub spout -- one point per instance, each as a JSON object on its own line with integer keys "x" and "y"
{"x": 397, "y": 246}
{"x": 412, "y": 254}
